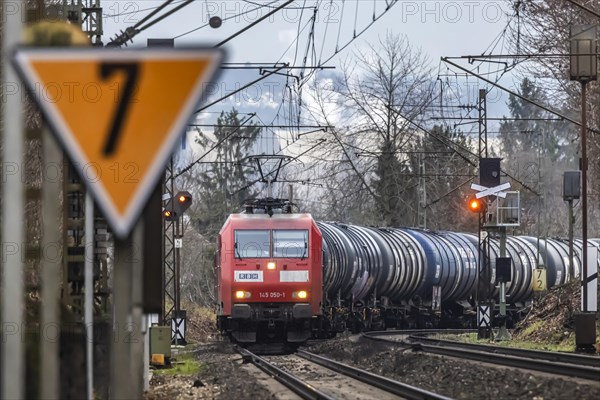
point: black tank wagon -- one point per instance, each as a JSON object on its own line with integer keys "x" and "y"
{"x": 400, "y": 277}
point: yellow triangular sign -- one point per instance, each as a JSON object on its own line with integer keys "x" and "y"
{"x": 118, "y": 114}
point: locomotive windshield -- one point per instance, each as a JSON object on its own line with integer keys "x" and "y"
{"x": 252, "y": 243}
{"x": 290, "y": 243}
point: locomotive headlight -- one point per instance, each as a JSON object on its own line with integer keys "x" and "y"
{"x": 240, "y": 294}
{"x": 302, "y": 294}
{"x": 271, "y": 265}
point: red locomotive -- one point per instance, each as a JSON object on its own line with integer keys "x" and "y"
{"x": 269, "y": 269}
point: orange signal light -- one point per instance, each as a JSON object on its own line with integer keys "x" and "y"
{"x": 476, "y": 205}
{"x": 182, "y": 199}
{"x": 167, "y": 213}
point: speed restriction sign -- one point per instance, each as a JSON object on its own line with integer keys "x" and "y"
{"x": 539, "y": 279}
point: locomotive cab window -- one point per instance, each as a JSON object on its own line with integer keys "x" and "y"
{"x": 290, "y": 243}
{"x": 252, "y": 244}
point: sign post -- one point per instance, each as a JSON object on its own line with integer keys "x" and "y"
{"x": 118, "y": 114}
{"x": 12, "y": 383}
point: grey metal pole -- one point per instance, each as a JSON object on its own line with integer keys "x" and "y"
{"x": 177, "y": 281}
{"x": 50, "y": 268}
{"x": 571, "y": 259}
{"x": 178, "y": 266}
{"x": 12, "y": 383}
{"x": 89, "y": 292}
{"x": 479, "y": 289}
{"x": 120, "y": 358}
{"x": 137, "y": 341}
{"x": 503, "y": 332}
{"x": 584, "y": 305}
{"x": 146, "y": 321}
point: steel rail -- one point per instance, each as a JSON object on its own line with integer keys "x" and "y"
{"x": 301, "y": 388}
{"x": 523, "y": 362}
{"x": 415, "y": 335}
{"x": 378, "y": 381}
{"x": 567, "y": 358}
{"x": 418, "y": 331}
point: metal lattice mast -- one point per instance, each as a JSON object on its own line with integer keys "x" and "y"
{"x": 88, "y": 15}
{"x": 422, "y": 193}
{"x": 482, "y": 106}
{"x": 170, "y": 285}
{"x": 484, "y": 311}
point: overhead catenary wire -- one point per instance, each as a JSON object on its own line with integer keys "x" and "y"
{"x": 186, "y": 169}
{"x": 254, "y": 23}
{"x": 154, "y": 12}
{"x": 498, "y": 73}
{"x": 326, "y": 29}
{"x": 132, "y": 31}
{"x": 313, "y": 49}
{"x": 356, "y": 35}
{"x": 147, "y": 21}
{"x": 283, "y": 165}
{"x": 583, "y": 7}
{"x": 535, "y": 103}
{"x": 338, "y": 49}
{"x": 266, "y": 75}
{"x": 223, "y": 19}
{"x": 135, "y": 11}
{"x": 466, "y": 150}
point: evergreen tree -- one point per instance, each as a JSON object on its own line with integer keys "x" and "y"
{"x": 536, "y": 149}
{"x": 528, "y": 122}
{"x": 444, "y": 176}
{"x": 224, "y": 184}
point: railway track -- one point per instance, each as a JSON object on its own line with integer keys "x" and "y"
{"x": 312, "y": 376}
{"x": 564, "y": 364}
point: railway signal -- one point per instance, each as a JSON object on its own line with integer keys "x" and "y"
{"x": 489, "y": 172}
{"x": 183, "y": 201}
{"x": 476, "y": 205}
{"x": 169, "y": 215}
{"x": 175, "y": 208}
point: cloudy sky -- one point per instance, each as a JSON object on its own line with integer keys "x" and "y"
{"x": 441, "y": 28}
{"x": 335, "y": 30}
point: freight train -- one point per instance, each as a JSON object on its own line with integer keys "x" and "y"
{"x": 284, "y": 277}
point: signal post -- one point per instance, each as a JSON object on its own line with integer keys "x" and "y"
{"x": 174, "y": 211}
{"x": 80, "y": 126}
{"x": 497, "y": 209}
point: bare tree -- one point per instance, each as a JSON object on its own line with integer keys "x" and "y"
{"x": 198, "y": 280}
{"x": 379, "y": 99}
